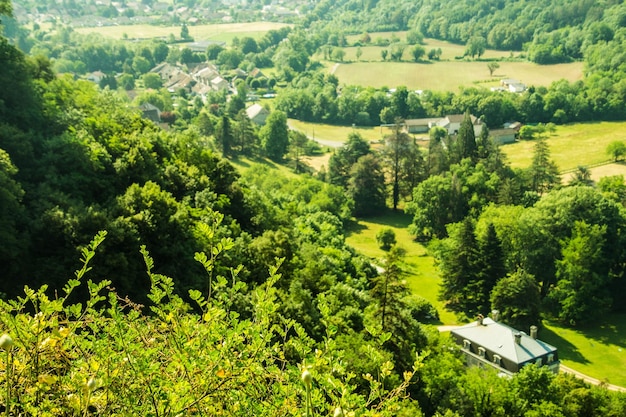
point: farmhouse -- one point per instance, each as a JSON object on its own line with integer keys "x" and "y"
{"x": 503, "y": 136}
{"x": 257, "y": 113}
{"x": 420, "y": 125}
{"x": 513, "y": 85}
{"x": 451, "y": 123}
{"x": 488, "y": 343}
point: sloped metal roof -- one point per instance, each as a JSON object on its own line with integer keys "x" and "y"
{"x": 500, "y": 339}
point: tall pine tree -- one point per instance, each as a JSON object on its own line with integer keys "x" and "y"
{"x": 458, "y": 262}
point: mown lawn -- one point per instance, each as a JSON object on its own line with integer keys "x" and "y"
{"x": 597, "y": 350}
{"x": 421, "y": 273}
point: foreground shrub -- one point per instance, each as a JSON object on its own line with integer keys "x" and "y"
{"x": 110, "y": 356}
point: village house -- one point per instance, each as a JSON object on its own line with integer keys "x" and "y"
{"x": 451, "y": 123}
{"x": 257, "y": 113}
{"x": 503, "y": 136}
{"x": 489, "y": 343}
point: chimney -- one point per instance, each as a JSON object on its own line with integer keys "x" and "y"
{"x": 518, "y": 338}
{"x": 495, "y": 315}
{"x": 533, "y": 332}
{"x": 480, "y": 319}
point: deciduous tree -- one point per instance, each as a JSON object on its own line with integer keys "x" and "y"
{"x": 274, "y": 135}
{"x": 517, "y": 299}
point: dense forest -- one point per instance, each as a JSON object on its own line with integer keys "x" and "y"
{"x": 200, "y": 290}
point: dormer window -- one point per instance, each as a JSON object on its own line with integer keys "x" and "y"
{"x": 550, "y": 357}
{"x": 481, "y": 352}
{"x": 467, "y": 344}
{"x": 497, "y": 360}
{"x": 539, "y": 362}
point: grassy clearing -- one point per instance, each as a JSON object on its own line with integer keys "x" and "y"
{"x": 598, "y": 350}
{"x": 450, "y": 75}
{"x": 422, "y": 276}
{"x": 573, "y": 145}
{"x": 449, "y": 51}
{"x": 218, "y": 32}
{"x": 333, "y": 133}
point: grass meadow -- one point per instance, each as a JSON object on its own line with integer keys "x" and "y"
{"x": 451, "y": 75}
{"x": 598, "y": 350}
{"x": 447, "y": 74}
{"x": 574, "y": 145}
{"x": 224, "y": 32}
{"x": 335, "y": 134}
{"x": 421, "y": 273}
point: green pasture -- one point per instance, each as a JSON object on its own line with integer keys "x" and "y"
{"x": 333, "y": 133}
{"x": 421, "y": 273}
{"x": 450, "y": 75}
{"x": 218, "y": 32}
{"x": 597, "y": 350}
{"x": 571, "y": 145}
{"x": 449, "y": 51}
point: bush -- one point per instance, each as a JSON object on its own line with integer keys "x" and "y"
{"x": 386, "y": 238}
{"x": 110, "y": 356}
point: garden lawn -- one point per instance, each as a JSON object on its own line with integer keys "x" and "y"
{"x": 574, "y": 145}
{"x": 597, "y": 350}
{"x": 421, "y": 273}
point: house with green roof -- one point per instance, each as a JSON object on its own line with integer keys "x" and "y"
{"x": 488, "y": 343}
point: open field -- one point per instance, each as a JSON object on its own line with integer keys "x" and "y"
{"x": 447, "y": 74}
{"x": 450, "y": 75}
{"x": 421, "y": 272}
{"x": 218, "y": 32}
{"x": 449, "y": 51}
{"x": 335, "y": 134}
{"x": 598, "y": 350}
{"x": 573, "y": 145}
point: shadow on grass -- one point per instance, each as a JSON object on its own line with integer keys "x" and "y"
{"x": 566, "y": 350}
{"x": 397, "y": 219}
{"x": 391, "y": 218}
{"x": 611, "y": 330}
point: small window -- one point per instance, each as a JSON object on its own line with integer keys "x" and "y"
{"x": 466, "y": 344}
{"x": 539, "y": 362}
{"x": 550, "y": 357}
{"x": 497, "y": 360}
{"x": 481, "y": 352}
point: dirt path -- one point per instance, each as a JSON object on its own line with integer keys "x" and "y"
{"x": 334, "y": 68}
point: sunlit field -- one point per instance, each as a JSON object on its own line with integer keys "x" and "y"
{"x": 217, "y": 32}
{"x": 573, "y": 145}
{"x": 451, "y": 75}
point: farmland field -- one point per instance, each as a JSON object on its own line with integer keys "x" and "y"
{"x": 450, "y": 75}
{"x": 447, "y": 74}
{"x": 216, "y": 32}
{"x": 573, "y": 145}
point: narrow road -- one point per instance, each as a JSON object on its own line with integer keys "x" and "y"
{"x": 589, "y": 379}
